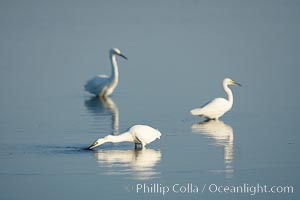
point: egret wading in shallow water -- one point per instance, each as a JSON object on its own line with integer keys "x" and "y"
{"x": 216, "y": 108}
{"x": 103, "y": 85}
{"x": 141, "y": 135}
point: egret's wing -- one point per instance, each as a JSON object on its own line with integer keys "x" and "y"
{"x": 216, "y": 106}
{"x": 211, "y": 107}
{"x": 145, "y": 134}
{"x": 206, "y": 103}
{"x": 96, "y": 84}
{"x": 215, "y": 103}
{"x": 198, "y": 111}
{"x": 144, "y": 137}
{"x": 102, "y": 76}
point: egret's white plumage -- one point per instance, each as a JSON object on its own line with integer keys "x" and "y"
{"x": 103, "y": 85}
{"x": 138, "y": 134}
{"x": 216, "y": 108}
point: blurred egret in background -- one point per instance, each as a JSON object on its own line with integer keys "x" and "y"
{"x": 103, "y": 85}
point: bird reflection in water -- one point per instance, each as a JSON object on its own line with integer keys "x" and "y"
{"x": 222, "y": 135}
{"x": 104, "y": 106}
{"x": 135, "y": 164}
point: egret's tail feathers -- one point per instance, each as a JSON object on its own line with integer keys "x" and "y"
{"x": 196, "y": 111}
{"x": 89, "y": 88}
{"x": 159, "y": 134}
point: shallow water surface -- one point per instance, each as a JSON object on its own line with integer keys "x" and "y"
{"x": 179, "y": 52}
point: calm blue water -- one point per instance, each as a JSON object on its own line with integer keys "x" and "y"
{"x": 179, "y": 52}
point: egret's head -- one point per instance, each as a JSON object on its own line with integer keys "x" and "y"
{"x": 98, "y": 142}
{"x": 117, "y": 51}
{"x": 228, "y": 81}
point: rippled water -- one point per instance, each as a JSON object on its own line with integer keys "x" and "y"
{"x": 179, "y": 53}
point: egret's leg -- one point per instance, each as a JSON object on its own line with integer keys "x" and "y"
{"x": 138, "y": 146}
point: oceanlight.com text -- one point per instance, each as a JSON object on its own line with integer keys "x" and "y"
{"x": 192, "y": 188}
{"x": 248, "y": 189}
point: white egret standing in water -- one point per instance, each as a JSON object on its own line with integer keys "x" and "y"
{"x": 103, "y": 85}
{"x": 141, "y": 135}
{"x": 216, "y": 108}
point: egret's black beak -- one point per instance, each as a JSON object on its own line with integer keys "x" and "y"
{"x": 238, "y": 84}
{"x": 92, "y": 146}
{"x": 123, "y": 56}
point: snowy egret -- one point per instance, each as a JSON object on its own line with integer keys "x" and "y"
{"x": 219, "y": 106}
{"x": 139, "y": 134}
{"x": 103, "y": 85}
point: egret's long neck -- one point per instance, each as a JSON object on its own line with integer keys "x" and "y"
{"x": 124, "y": 137}
{"x": 229, "y": 93}
{"x": 114, "y": 69}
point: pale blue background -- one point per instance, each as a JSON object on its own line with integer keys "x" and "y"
{"x": 179, "y": 52}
